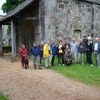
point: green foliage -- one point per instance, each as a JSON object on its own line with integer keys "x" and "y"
{"x": 2, "y": 97}
{"x": 6, "y": 49}
{"x": 82, "y": 73}
{"x": 10, "y": 5}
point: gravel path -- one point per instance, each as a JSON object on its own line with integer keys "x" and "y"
{"x": 21, "y": 84}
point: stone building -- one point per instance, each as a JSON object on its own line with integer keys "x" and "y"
{"x": 36, "y": 20}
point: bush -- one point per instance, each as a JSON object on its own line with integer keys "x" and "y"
{"x": 3, "y": 97}
{"x": 6, "y": 49}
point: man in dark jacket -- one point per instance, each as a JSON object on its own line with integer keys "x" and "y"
{"x": 81, "y": 51}
{"x": 35, "y": 51}
{"x": 41, "y": 52}
{"x": 89, "y": 50}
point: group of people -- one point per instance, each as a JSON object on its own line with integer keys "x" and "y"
{"x": 66, "y": 52}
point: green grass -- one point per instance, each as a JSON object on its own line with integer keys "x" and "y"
{"x": 3, "y": 97}
{"x": 83, "y": 73}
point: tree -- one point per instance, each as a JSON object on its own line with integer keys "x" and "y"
{"x": 10, "y": 5}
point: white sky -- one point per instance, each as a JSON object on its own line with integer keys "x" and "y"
{"x": 1, "y": 2}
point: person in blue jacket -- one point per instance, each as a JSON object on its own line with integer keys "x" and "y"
{"x": 35, "y": 52}
{"x": 54, "y": 52}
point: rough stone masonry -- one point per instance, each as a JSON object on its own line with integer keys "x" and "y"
{"x": 69, "y": 18}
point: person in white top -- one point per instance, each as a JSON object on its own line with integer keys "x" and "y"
{"x": 97, "y": 51}
{"x": 74, "y": 50}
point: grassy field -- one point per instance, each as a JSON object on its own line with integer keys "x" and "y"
{"x": 2, "y": 97}
{"x": 83, "y": 73}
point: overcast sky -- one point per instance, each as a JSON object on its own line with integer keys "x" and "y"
{"x": 1, "y": 2}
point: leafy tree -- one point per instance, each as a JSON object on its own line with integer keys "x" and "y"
{"x": 10, "y": 5}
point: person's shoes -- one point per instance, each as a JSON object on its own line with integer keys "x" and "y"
{"x": 91, "y": 65}
{"x": 63, "y": 65}
{"x": 40, "y": 67}
{"x": 59, "y": 64}
{"x": 46, "y": 67}
{"x": 98, "y": 67}
{"x": 34, "y": 67}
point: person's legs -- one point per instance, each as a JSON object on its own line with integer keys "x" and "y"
{"x": 41, "y": 57}
{"x": 26, "y": 63}
{"x": 82, "y": 58}
{"x": 22, "y": 61}
{"x": 89, "y": 59}
{"x": 59, "y": 59}
{"x": 52, "y": 61}
{"x": 50, "y": 58}
{"x": 38, "y": 61}
{"x": 73, "y": 57}
{"x": 34, "y": 61}
{"x": 76, "y": 58}
{"x": 98, "y": 60}
{"x": 46, "y": 62}
{"x": 95, "y": 55}
{"x": 62, "y": 57}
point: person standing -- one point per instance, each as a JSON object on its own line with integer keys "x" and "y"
{"x": 35, "y": 52}
{"x": 60, "y": 53}
{"x": 41, "y": 52}
{"x": 97, "y": 51}
{"x": 47, "y": 54}
{"x": 74, "y": 50}
{"x": 85, "y": 41}
{"x": 54, "y": 52}
{"x": 23, "y": 54}
{"x": 81, "y": 51}
{"x": 89, "y": 50}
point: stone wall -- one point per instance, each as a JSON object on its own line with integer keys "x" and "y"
{"x": 96, "y": 19}
{"x": 71, "y": 18}
{"x": 42, "y": 19}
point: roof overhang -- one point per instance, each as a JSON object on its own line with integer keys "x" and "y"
{"x": 26, "y": 3}
{"x": 15, "y": 11}
{"x": 92, "y": 1}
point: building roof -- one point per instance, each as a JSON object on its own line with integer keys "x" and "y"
{"x": 94, "y": 1}
{"x": 16, "y": 11}
{"x": 23, "y": 5}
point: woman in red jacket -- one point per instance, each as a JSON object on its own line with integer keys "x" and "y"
{"x": 23, "y": 53}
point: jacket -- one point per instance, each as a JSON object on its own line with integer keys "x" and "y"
{"x": 81, "y": 48}
{"x": 89, "y": 47}
{"x": 23, "y": 52}
{"x": 54, "y": 49}
{"x": 35, "y": 51}
{"x": 98, "y": 49}
{"x": 46, "y": 51}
